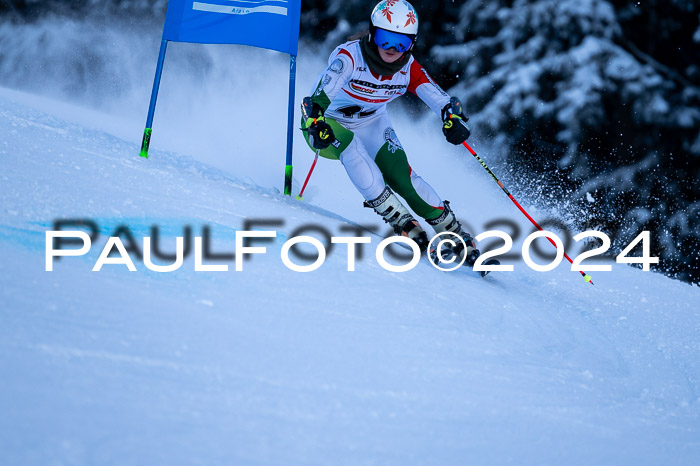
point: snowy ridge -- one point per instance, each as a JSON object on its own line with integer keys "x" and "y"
{"x": 269, "y": 366}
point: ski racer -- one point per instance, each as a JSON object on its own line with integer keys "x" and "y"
{"x": 349, "y": 121}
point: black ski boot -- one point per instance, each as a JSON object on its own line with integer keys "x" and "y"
{"x": 395, "y": 214}
{"x": 447, "y": 222}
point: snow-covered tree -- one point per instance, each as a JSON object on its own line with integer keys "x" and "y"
{"x": 562, "y": 89}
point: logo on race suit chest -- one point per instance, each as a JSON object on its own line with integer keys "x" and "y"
{"x": 362, "y": 89}
{"x": 370, "y": 88}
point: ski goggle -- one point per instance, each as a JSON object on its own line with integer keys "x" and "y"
{"x": 387, "y": 39}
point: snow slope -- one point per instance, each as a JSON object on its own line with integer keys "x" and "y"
{"x": 270, "y": 366}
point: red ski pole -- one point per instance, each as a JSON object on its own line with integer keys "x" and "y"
{"x": 300, "y": 196}
{"x": 517, "y": 204}
{"x": 456, "y": 107}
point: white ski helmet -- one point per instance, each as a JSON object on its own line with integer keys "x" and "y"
{"x": 396, "y": 16}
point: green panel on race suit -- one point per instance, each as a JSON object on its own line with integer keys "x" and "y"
{"x": 393, "y": 164}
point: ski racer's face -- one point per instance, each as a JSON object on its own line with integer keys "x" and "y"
{"x": 389, "y": 56}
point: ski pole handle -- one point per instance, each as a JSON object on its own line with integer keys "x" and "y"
{"x": 307, "y": 107}
{"x": 456, "y": 106}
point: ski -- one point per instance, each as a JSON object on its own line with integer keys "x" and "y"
{"x": 483, "y": 273}
{"x": 447, "y": 254}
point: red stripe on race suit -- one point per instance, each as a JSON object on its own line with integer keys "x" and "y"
{"x": 364, "y": 99}
{"x": 418, "y": 76}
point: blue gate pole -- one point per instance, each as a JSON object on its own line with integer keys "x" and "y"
{"x": 290, "y": 125}
{"x": 154, "y": 96}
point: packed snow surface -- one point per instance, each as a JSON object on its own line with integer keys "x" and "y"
{"x": 271, "y": 366}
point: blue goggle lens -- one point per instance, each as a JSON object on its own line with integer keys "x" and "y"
{"x": 387, "y": 39}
